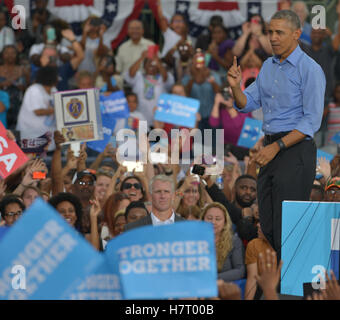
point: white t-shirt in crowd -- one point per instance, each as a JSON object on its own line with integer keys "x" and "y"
{"x": 89, "y": 62}
{"x": 148, "y": 102}
{"x": 29, "y": 124}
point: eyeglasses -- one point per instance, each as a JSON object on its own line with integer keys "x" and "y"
{"x": 83, "y": 183}
{"x": 127, "y": 185}
{"x": 13, "y": 214}
{"x": 333, "y": 191}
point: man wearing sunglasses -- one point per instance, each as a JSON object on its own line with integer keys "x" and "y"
{"x": 11, "y": 208}
{"x": 162, "y": 192}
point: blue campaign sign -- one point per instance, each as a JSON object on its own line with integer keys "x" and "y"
{"x": 109, "y": 124}
{"x": 54, "y": 259}
{"x": 310, "y": 243}
{"x": 103, "y": 284}
{"x": 336, "y": 138}
{"x": 177, "y": 110}
{"x": 114, "y": 105}
{"x": 251, "y": 133}
{"x": 171, "y": 261}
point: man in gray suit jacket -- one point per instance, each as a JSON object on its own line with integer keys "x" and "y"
{"x": 162, "y": 190}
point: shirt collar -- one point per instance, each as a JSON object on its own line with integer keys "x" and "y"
{"x": 157, "y": 222}
{"x": 293, "y": 58}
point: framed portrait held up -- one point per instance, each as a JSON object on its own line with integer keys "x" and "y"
{"x": 77, "y": 114}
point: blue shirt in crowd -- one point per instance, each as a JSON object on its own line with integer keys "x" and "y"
{"x": 4, "y": 98}
{"x": 203, "y": 92}
{"x": 291, "y": 94}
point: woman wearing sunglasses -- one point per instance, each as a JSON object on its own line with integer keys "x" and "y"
{"x": 133, "y": 187}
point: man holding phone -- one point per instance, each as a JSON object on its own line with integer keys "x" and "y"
{"x": 290, "y": 88}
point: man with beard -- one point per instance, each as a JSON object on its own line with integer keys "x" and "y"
{"x": 245, "y": 199}
{"x": 245, "y": 191}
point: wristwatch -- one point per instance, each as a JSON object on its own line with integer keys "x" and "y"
{"x": 281, "y": 144}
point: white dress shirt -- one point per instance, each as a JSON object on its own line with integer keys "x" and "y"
{"x": 157, "y": 222}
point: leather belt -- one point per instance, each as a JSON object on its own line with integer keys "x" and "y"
{"x": 270, "y": 138}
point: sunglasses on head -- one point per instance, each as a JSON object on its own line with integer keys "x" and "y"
{"x": 128, "y": 185}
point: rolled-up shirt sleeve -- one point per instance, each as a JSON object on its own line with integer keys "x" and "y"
{"x": 313, "y": 97}
{"x": 253, "y": 97}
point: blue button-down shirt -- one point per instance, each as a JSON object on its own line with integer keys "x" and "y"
{"x": 291, "y": 94}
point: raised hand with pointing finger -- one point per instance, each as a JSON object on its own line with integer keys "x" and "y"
{"x": 234, "y": 74}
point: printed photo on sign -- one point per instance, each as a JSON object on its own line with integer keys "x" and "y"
{"x": 77, "y": 133}
{"x": 77, "y": 114}
{"x": 75, "y": 108}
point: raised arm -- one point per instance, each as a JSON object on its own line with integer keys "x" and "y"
{"x": 241, "y": 41}
{"x": 56, "y": 167}
{"x": 102, "y": 48}
{"x": 81, "y": 165}
{"x": 76, "y": 46}
{"x": 94, "y": 213}
{"x": 234, "y": 78}
{"x": 163, "y": 23}
{"x": 136, "y": 66}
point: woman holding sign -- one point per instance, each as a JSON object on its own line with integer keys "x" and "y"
{"x": 229, "y": 248}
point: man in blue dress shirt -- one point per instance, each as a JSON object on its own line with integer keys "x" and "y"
{"x": 290, "y": 88}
